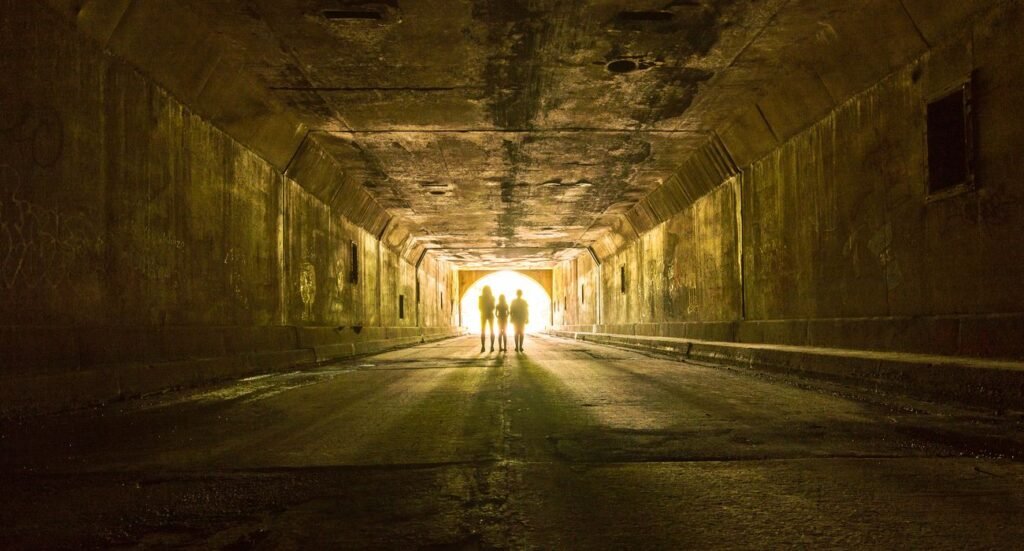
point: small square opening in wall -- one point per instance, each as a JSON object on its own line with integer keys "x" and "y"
{"x": 353, "y": 270}
{"x": 950, "y": 142}
{"x": 622, "y": 278}
{"x": 401, "y": 307}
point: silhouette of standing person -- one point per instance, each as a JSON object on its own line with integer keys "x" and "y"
{"x": 486, "y": 316}
{"x": 520, "y": 314}
{"x": 501, "y": 311}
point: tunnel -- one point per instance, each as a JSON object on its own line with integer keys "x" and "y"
{"x": 770, "y": 253}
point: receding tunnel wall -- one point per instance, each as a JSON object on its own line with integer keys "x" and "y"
{"x": 575, "y": 292}
{"x": 143, "y": 248}
{"x": 833, "y": 239}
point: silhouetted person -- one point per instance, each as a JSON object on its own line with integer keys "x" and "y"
{"x": 501, "y": 312}
{"x": 486, "y": 316}
{"x": 520, "y": 314}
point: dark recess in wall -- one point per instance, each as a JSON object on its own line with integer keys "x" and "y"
{"x": 650, "y": 15}
{"x": 622, "y": 66}
{"x": 353, "y": 274}
{"x": 950, "y": 143}
{"x": 342, "y": 15}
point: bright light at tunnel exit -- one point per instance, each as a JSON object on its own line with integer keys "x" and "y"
{"x": 506, "y": 283}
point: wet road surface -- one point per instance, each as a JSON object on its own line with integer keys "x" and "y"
{"x": 569, "y": 446}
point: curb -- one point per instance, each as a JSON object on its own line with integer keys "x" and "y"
{"x": 997, "y": 384}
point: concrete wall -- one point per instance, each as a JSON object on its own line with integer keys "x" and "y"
{"x": 830, "y": 240}
{"x": 141, "y": 247}
{"x": 438, "y": 294}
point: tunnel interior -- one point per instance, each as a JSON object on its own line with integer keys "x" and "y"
{"x": 211, "y": 185}
{"x": 199, "y": 193}
{"x": 208, "y": 189}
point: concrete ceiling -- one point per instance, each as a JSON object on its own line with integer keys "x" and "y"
{"x": 503, "y": 130}
{"x": 513, "y": 132}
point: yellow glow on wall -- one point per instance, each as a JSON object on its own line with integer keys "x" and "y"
{"x": 506, "y": 283}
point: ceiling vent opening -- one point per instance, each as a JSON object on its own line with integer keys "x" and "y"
{"x": 622, "y": 66}
{"x": 645, "y": 16}
{"x": 352, "y": 15}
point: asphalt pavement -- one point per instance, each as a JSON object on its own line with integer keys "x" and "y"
{"x": 567, "y": 446}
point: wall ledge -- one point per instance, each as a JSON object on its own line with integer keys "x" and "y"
{"x": 984, "y": 382}
{"x": 995, "y": 336}
{"x": 51, "y": 369}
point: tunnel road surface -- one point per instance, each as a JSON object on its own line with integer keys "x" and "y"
{"x": 570, "y": 446}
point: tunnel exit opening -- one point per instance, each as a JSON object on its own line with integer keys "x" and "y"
{"x": 507, "y": 282}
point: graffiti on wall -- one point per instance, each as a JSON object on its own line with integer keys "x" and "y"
{"x": 307, "y": 289}
{"x": 682, "y": 295}
{"x": 880, "y": 245}
{"x": 41, "y": 246}
{"x": 150, "y": 254}
{"x": 237, "y": 262}
{"x": 337, "y": 304}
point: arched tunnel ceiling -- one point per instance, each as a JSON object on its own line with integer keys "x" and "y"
{"x": 511, "y": 131}
{"x": 497, "y": 126}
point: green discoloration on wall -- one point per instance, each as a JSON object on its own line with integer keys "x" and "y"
{"x": 122, "y": 209}
{"x": 830, "y": 239}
